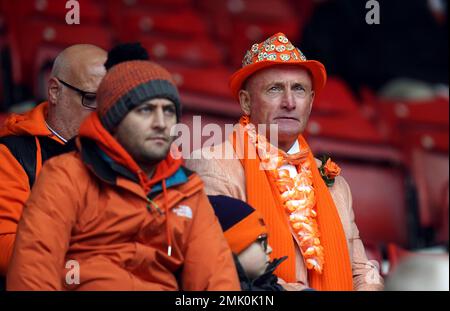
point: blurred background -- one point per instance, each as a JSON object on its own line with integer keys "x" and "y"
{"x": 383, "y": 116}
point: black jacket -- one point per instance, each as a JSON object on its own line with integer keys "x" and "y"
{"x": 266, "y": 282}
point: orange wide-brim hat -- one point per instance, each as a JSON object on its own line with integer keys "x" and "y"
{"x": 276, "y": 50}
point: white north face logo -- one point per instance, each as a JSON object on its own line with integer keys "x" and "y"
{"x": 183, "y": 211}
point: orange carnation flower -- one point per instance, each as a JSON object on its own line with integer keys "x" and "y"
{"x": 331, "y": 169}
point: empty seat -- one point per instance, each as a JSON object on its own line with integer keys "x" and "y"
{"x": 396, "y": 254}
{"x": 431, "y": 112}
{"x": 170, "y": 4}
{"x": 200, "y": 52}
{"x": 259, "y": 10}
{"x": 38, "y": 32}
{"x": 201, "y": 129}
{"x": 379, "y": 201}
{"x": 211, "y": 81}
{"x": 251, "y": 32}
{"x": 3, "y": 117}
{"x": 431, "y": 176}
{"x": 336, "y": 97}
{"x": 376, "y": 174}
{"x": 397, "y": 119}
{"x": 182, "y": 23}
{"x": 224, "y": 14}
{"x": 425, "y": 138}
{"x": 348, "y": 127}
{"x": 91, "y": 11}
{"x": 204, "y": 104}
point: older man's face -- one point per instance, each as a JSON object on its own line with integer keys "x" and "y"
{"x": 281, "y": 95}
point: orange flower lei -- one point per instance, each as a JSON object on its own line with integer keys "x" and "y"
{"x": 297, "y": 194}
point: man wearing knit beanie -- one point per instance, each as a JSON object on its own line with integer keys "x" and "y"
{"x": 246, "y": 234}
{"x": 121, "y": 213}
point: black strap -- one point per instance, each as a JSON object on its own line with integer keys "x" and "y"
{"x": 24, "y": 148}
{"x": 51, "y": 148}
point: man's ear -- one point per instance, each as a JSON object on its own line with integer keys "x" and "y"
{"x": 53, "y": 90}
{"x": 244, "y": 100}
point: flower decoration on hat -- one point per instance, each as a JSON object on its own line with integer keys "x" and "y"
{"x": 276, "y": 50}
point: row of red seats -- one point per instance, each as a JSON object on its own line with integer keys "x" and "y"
{"x": 43, "y": 21}
{"x": 197, "y": 63}
{"x": 410, "y": 124}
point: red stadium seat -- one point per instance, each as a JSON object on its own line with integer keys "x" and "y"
{"x": 396, "y": 254}
{"x": 360, "y": 150}
{"x": 91, "y": 11}
{"x": 37, "y": 33}
{"x": 257, "y": 10}
{"x": 379, "y": 201}
{"x": 430, "y": 112}
{"x": 45, "y": 56}
{"x": 426, "y": 138}
{"x": 187, "y": 119}
{"x": 210, "y": 81}
{"x": 376, "y": 174}
{"x": 170, "y": 4}
{"x": 336, "y": 97}
{"x": 3, "y": 117}
{"x": 223, "y": 14}
{"x": 431, "y": 175}
{"x": 254, "y": 32}
{"x": 184, "y": 23}
{"x": 398, "y": 120}
{"x": 211, "y": 105}
{"x": 199, "y": 52}
{"x": 348, "y": 127}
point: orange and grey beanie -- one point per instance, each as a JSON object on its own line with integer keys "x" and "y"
{"x": 131, "y": 80}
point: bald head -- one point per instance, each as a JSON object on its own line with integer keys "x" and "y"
{"x": 82, "y": 67}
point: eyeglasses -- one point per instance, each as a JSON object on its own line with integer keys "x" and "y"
{"x": 263, "y": 240}
{"x": 88, "y": 99}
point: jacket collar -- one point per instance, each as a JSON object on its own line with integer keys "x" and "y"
{"x": 115, "y": 174}
{"x": 115, "y": 158}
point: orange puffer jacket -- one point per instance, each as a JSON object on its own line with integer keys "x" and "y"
{"x": 14, "y": 182}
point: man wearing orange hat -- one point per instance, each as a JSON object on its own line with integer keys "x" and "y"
{"x": 307, "y": 209}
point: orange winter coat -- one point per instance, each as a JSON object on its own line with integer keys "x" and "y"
{"x": 94, "y": 207}
{"x": 14, "y": 184}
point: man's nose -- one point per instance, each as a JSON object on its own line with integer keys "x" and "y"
{"x": 158, "y": 119}
{"x": 288, "y": 101}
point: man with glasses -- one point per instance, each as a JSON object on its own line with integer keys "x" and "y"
{"x": 306, "y": 206}
{"x": 122, "y": 208}
{"x": 28, "y": 140}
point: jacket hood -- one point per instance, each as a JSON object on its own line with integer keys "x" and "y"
{"x": 31, "y": 123}
{"x": 93, "y": 130}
